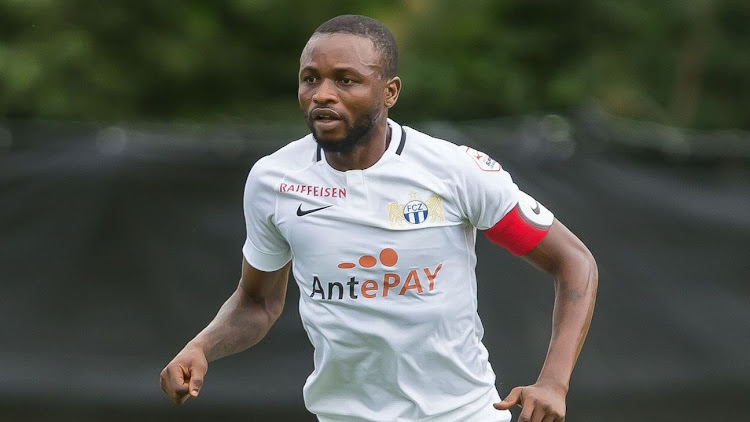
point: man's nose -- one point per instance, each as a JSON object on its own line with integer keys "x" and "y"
{"x": 325, "y": 92}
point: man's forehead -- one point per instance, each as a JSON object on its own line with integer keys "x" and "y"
{"x": 340, "y": 38}
{"x": 348, "y": 45}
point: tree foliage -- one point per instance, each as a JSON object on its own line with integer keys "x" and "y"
{"x": 681, "y": 62}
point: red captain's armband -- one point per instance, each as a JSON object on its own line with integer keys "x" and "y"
{"x": 523, "y": 227}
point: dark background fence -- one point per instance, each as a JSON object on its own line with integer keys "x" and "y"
{"x": 119, "y": 243}
{"x": 127, "y": 130}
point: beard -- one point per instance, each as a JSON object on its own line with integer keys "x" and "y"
{"x": 356, "y": 134}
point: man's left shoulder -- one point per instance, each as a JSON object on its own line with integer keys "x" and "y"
{"x": 436, "y": 153}
{"x": 422, "y": 144}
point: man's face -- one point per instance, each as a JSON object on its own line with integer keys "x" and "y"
{"x": 341, "y": 91}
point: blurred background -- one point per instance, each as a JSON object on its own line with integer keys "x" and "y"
{"x": 128, "y": 129}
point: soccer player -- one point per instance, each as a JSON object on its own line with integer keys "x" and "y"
{"x": 378, "y": 223}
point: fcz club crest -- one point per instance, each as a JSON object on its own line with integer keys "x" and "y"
{"x": 416, "y": 211}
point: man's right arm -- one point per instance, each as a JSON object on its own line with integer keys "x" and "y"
{"x": 242, "y": 321}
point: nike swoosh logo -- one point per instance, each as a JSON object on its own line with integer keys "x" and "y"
{"x": 301, "y": 212}
{"x": 536, "y": 208}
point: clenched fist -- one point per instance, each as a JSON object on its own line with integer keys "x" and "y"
{"x": 182, "y": 378}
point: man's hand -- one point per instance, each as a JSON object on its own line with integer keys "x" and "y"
{"x": 182, "y": 378}
{"x": 540, "y": 403}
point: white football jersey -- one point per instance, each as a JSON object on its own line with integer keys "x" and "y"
{"x": 384, "y": 259}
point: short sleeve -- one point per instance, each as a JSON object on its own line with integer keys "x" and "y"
{"x": 486, "y": 191}
{"x": 493, "y": 202}
{"x": 265, "y": 248}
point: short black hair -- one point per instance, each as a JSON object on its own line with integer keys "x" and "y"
{"x": 381, "y": 37}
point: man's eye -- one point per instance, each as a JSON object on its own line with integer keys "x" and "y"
{"x": 310, "y": 79}
{"x": 346, "y": 81}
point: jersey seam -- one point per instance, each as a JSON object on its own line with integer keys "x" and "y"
{"x": 448, "y": 188}
{"x": 277, "y": 196}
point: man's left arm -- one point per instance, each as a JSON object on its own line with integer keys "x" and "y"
{"x": 564, "y": 256}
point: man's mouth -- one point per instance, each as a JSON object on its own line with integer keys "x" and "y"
{"x": 325, "y": 114}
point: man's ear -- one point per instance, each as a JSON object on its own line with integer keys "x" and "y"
{"x": 392, "y": 89}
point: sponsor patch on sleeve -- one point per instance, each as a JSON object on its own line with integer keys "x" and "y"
{"x": 484, "y": 161}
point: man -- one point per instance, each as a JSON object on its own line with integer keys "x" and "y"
{"x": 379, "y": 221}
